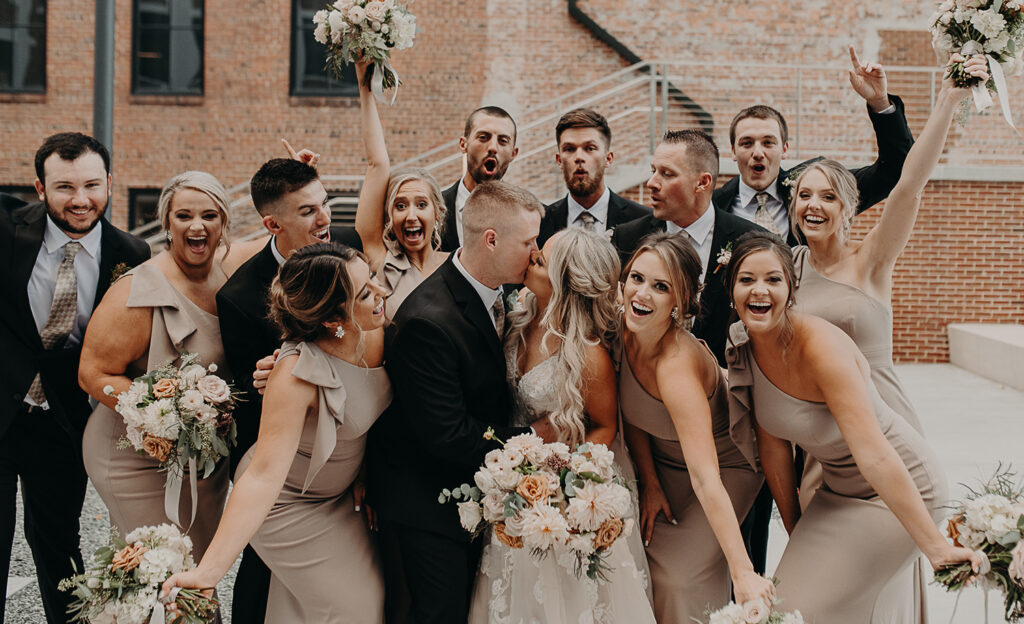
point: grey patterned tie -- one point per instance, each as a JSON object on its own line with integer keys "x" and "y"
{"x": 761, "y": 215}
{"x": 498, "y": 312}
{"x": 62, "y": 312}
{"x": 588, "y": 220}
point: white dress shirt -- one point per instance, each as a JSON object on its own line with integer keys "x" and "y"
{"x": 461, "y": 195}
{"x": 700, "y": 233}
{"x": 274, "y": 250}
{"x": 487, "y": 294}
{"x": 745, "y": 205}
{"x": 43, "y": 280}
{"x": 599, "y": 211}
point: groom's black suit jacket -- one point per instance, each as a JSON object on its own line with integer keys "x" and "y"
{"x": 447, "y": 371}
{"x": 21, "y": 234}
{"x": 712, "y": 324}
{"x": 450, "y": 232}
{"x": 620, "y": 210}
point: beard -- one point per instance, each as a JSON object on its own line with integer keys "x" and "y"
{"x": 57, "y": 216}
{"x": 479, "y": 173}
{"x": 582, "y": 187}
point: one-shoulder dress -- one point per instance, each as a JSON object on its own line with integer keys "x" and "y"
{"x": 323, "y": 565}
{"x": 848, "y": 545}
{"x": 689, "y": 573}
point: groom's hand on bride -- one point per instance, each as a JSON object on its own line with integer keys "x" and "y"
{"x": 262, "y": 372}
{"x": 360, "y": 504}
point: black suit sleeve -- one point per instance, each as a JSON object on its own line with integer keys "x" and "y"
{"x": 426, "y": 372}
{"x": 894, "y": 142}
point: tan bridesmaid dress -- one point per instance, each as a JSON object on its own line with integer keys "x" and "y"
{"x": 323, "y": 566}
{"x": 847, "y": 545}
{"x": 689, "y": 573}
{"x": 868, "y": 322}
{"x": 400, "y": 278}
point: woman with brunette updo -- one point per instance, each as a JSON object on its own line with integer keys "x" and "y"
{"x": 293, "y": 490}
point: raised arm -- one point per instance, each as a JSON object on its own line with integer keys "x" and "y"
{"x": 679, "y": 383}
{"x": 117, "y": 336}
{"x": 837, "y": 369}
{"x": 600, "y": 397}
{"x": 886, "y": 241}
{"x": 284, "y": 413}
{"x": 370, "y": 212}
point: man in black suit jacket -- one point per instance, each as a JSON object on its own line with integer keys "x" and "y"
{"x": 489, "y": 143}
{"x": 447, "y": 368}
{"x": 584, "y": 142}
{"x": 759, "y": 137}
{"x": 41, "y": 434}
{"x": 291, "y": 199}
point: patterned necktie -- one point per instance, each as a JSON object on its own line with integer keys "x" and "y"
{"x": 498, "y": 312}
{"x": 63, "y": 311}
{"x": 761, "y": 215}
{"x": 588, "y": 220}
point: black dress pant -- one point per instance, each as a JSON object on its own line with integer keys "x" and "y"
{"x": 40, "y": 453}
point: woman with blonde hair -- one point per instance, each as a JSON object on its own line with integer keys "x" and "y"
{"x": 154, "y": 313}
{"x": 400, "y": 213}
{"x": 557, "y": 348}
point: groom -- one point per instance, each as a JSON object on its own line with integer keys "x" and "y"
{"x": 447, "y": 368}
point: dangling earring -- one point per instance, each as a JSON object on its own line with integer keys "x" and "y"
{"x": 675, "y": 314}
{"x": 168, "y": 237}
{"x": 339, "y": 333}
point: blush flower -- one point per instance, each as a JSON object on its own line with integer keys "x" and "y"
{"x": 165, "y": 388}
{"x": 214, "y": 389}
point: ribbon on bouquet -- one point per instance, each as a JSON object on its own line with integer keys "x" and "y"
{"x": 172, "y": 492}
{"x": 983, "y": 569}
{"x": 158, "y": 616}
{"x": 982, "y": 98}
{"x": 377, "y": 82}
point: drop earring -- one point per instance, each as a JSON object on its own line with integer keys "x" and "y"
{"x": 339, "y": 333}
{"x": 675, "y": 314}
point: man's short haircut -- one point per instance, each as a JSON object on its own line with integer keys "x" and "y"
{"x": 493, "y": 111}
{"x": 701, "y": 151}
{"x": 69, "y": 146}
{"x": 583, "y": 118}
{"x": 275, "y": 179}
{"x": 493, "y": 204}
{"x": 759, "y": 112}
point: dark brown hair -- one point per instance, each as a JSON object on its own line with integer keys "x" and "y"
{"x": 276, "y": 178}
{"x": 753, "y": 242}
{"x": 491, "y": 111}
{"x": 701, "y": 151}
{"x": 682, "y": 264}
{"x": 759, "y": 111}
{"x": 69, "y": 146}
{"x": 583, "y": 118}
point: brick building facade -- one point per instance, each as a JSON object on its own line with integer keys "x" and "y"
{"x": 965, "y": 262}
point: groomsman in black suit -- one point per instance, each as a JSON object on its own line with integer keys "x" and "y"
{"x": 489, "y": 143}
{"x": 760, "y": 138}
{"x": 584, "y": 142}
{"x": 291, "y": 199}
{"x": 447, "y": 368}
{"x": 684, "y": 171}
{"x": 55, "y": 266}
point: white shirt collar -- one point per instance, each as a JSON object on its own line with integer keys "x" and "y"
{"x": 273, "y": 249}
{"x": 599, "y": 210}
{"x": 461, "y": 195}
{"x": 487, "y": 295}
{"x": 747, "y": 194}
{"x": 55, "y": 238}
{"x": 700, "y": 229}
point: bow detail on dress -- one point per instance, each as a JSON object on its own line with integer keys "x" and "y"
{"x": 741, "y": 398}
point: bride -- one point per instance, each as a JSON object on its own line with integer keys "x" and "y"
{"x": 557, "y": 348}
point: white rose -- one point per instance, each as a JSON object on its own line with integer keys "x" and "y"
{"x": 732, "y": 613}
{"x": 343, "y": 5}
{"x": 469, "y": 515}
{"x": 793, "y": 618}
{"x": 494, "y": 507}
{"x": 755, "y": 612}
{"x": 375, "y": 11}
{"x": 214, "y": 389}
{"x": 998, "y": 44}
{"x": 506, "y": 478}
{"x": 484, "y": 480}
{"x": 989, "y": 23}
{"x": 320, "y": 16}
{"x": 356, "y": 14}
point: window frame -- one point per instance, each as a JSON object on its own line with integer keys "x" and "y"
{"x": 28, "y": 27}
{"x": 137, "y": 27}
{"x": 336, "y": 88}
{"x": 134, "y": 194}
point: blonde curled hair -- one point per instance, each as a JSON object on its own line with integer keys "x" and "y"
{"x": 395, "y": 182}
{"x": 200, "y": 181}
{"x": 584, "y": 271}
{"x": 845, "y": 187}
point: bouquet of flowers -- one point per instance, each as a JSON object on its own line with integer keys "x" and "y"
{"x": 994, "y": 28}
{"x": 124, "y": 582}
{"x": 991, "y": 521}
{"x": 547, "y": 498}
{"x": 753, "y": 612}
{"x": 369, "y": 29}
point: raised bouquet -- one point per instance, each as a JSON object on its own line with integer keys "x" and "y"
{"x": 994, "y": 28}
{"x": 369, "y": 29}
{"x": 549, "y": 499}
{"x": 752, "y": 612}
{"x": 123, "y": 584}
{"x": 990, "y": 521}
{"x": 181, "y": 416}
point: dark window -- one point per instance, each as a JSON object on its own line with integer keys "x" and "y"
{"x": 309, "y": 76}
{"x": 23, "y": 46}
{"x": 24, "y": 193}
{"x": 142, "y": 204}
{"x": 167, "y": 47}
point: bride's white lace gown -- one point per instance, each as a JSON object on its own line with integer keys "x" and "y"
{"x": 513, "y": 587}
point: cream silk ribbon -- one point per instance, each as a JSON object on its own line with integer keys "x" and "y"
{"x": 377, "y": 83}
{"x": 172, "y": 492}
{"x": 982, "y": 98}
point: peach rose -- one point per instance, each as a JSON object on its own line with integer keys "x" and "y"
{"x": 165, "y": 388}
{"x": 533, "y": 487}
{"x": 157, "y": 448}
{"x": 952, "y": 529}
{"x": 505, "y": 538}
{"x": 607, "y": 533}
{"x": 128, "y": 558}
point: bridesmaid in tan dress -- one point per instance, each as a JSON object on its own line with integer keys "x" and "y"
{"x": 293, "y": 489}
{"x": 805, "y": 382}
{"x": 400, "y": 213}
{"x": 158, "y": 310}
{"x": 695, "y": 465}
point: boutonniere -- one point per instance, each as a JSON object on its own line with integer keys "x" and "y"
{"x": 609, "y": 233}
{"x": 512, "y": 301}
{"x": 119, "y": 269}
{"x": 794, "y": 173}
{"x": 724, "y": 256}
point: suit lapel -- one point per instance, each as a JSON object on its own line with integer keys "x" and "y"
{"x": 110, "y": 255}
{"x": 472, "y": 307}
{"x": 614, "y": 210}
{"x": 28, "y": 238}
{"x": 450, "y": 235}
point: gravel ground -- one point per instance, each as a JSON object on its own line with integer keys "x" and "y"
{"x": 25, "y": 606}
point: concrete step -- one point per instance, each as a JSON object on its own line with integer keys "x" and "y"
{"x": 992, "y": 350}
